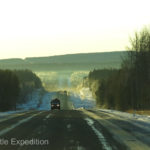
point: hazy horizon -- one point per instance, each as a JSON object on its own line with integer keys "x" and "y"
{"x": 36, "y": 28}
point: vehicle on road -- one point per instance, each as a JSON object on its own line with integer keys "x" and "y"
{"x": 55, "y": 104}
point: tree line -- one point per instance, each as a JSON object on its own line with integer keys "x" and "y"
{"x": 129, "y": 86}
{"x": 15, "y": 86}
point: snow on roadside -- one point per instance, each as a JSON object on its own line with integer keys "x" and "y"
{"x": 37, "y": 101}
{"x": 32, "y": 102}
{"x": 127, "y": 115}
{"x": 3, "y": 114}
{"x": 142, "y": 121}
{"x": 83, "y": 99}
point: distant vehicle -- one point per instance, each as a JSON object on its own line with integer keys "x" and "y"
{"x": 55, "y": 104}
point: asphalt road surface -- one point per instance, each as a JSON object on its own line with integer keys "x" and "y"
{"x": 54, "y": 130}
{"x": 69, "y": 129}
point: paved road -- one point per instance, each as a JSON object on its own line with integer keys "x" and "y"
{"x": 60, "y": 130}
{"x": 70, "y": 129}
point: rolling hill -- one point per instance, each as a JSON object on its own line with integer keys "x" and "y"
{"x": 83, "y": 61}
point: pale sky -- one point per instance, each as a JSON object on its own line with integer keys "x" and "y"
{"x": 32, "y": 28}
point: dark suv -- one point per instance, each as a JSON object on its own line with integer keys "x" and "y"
{"x": 55, "y": 104}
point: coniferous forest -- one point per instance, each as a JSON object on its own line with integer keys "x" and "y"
{"x": 15, "y": 86}
{"x": 128, "y": 87}
{"x": 125, "y": 88}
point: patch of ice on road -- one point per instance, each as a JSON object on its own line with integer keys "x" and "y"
{"x": 48, "y": 116}
{"x": 68, "y": 126}
{"x": 101, "y": 137}
{"x": 80, "y": 148}
{"x": 74, "y": 147}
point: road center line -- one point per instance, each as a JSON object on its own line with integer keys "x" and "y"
{"x": 102, "y": 139}
{"x": 17, "y": 124}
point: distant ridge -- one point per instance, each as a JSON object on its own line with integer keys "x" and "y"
{"x": 77, "y": 58}
{"x": 11, "y": 60}
{"x": 86, "y": 60}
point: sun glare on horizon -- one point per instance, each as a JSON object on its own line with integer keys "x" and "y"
{"x": 31, "y": 28}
